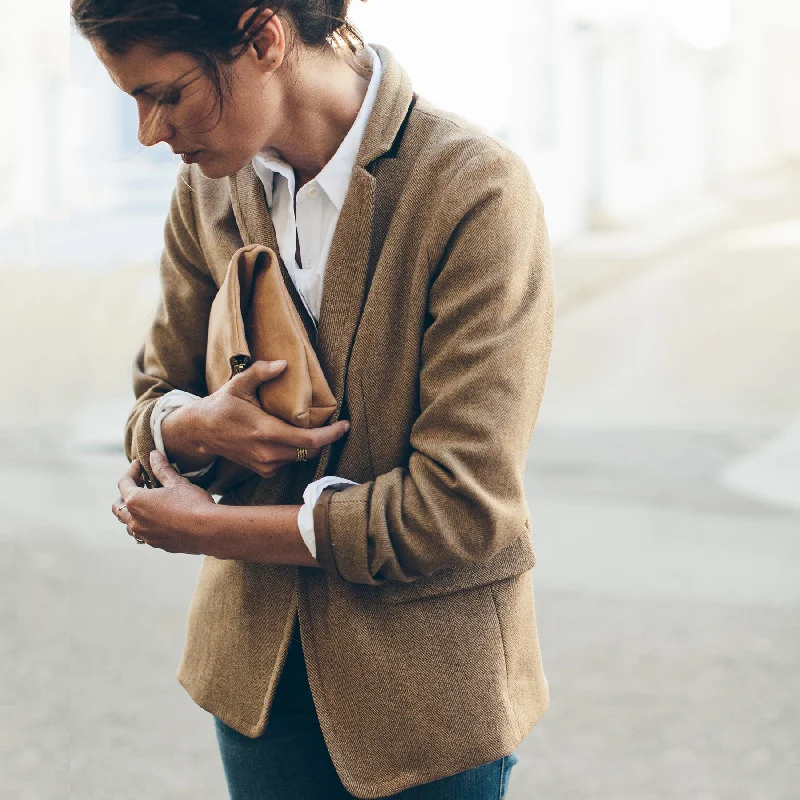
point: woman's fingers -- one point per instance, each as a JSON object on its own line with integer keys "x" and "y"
{"x": 246, "y": 383}
{"x": 310, "y": 438}
{"x": 131, "y": 480}
{"x": 120, "y": 511}
{"x": 287, "y": 454}
{"x": 167, "y": 475}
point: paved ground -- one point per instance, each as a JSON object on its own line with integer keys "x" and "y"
{"x": 665, "y": 486}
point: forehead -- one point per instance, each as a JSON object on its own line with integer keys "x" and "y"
{"x": 143, "y": 67}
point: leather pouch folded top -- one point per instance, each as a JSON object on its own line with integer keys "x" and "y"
{"x": 252, "y": 319}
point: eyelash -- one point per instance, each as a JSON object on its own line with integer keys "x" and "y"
{"x": 170, "y": 100}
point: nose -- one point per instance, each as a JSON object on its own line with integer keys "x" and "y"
{"x": 153, "y": 125}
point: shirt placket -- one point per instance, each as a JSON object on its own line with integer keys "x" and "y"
{"x": 309, "y": 221}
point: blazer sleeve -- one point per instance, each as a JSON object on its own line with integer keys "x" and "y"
{"x": 174, "y": 351}
{"x": 484, "y": 359}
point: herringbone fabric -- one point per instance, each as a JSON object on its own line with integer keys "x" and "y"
{"x": 419, "y": 630}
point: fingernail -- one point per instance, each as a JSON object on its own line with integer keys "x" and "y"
{"x": 279, "y": 363}
{"x": 347, "y": 426}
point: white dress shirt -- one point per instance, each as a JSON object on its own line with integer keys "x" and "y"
{"x": 318, "y": 204}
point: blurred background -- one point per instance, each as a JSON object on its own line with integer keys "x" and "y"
{"x": 664, "y": 476}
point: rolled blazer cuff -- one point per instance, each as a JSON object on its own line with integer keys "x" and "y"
{"x": 322, "y": 533}
{"x": 143, "y": 443}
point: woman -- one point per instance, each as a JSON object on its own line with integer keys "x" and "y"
{"x": 363, "y": 621}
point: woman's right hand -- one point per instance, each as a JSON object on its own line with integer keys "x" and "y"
{"x": 231, "y": 423}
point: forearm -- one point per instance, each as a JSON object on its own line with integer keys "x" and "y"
{"x": 266, "y": 534}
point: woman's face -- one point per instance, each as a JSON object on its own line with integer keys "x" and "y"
{"x": 178, "y": 104}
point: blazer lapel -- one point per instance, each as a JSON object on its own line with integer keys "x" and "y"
{"x": 250, "y": 208}
{"x": 345, "y": 281}
{"x": 345, "y": 284}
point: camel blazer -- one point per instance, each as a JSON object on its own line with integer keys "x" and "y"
{"x": 419, "y": 630}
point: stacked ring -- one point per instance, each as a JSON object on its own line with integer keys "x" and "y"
{"x": 302, "y": 454}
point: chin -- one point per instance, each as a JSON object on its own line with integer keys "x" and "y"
{"x": 218, "y": 168}
{"x": 211, "y": 169}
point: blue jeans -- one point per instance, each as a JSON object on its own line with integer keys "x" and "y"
{"x": 289, "y": 761}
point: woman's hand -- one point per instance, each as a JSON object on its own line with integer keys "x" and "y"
{"x": 180, "y": 517}
{"x": 174, "y": 518}
{"x": 231, "y": 423}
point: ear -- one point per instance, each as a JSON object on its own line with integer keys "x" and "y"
{"x": 269, "y": 45}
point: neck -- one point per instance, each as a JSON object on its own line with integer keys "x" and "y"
{"x": 320, "y": 101}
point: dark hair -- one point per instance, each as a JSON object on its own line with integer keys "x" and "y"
{"x": 207, "y": 29}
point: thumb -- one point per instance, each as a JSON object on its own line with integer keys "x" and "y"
{"x": 258, "y": 372}
{"x": 163, "y": 470}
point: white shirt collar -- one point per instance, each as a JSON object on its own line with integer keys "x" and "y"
{"x": 334, "y": 178}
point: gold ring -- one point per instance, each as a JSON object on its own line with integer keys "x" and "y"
{"x": 302, "y": 454}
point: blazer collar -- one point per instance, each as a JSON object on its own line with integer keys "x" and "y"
{"x": 345, "y": 284}
{"x": 391, "y": 104}
{"x": 389, "y": 111}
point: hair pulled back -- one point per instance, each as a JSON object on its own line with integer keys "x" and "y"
{"x": 208, "y": 26}
{"x": 208, "y": 29}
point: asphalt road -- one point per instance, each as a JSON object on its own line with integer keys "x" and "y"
{"x": 664, "y": 482}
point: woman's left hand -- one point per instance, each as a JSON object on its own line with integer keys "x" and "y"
{"x": 174, "y": 517}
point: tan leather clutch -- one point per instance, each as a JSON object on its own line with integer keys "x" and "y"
{"x": 253, "y": 318}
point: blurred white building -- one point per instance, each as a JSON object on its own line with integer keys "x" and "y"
{"x": 33, "y": 84}
{"x": 621, "y": 108}
{"x": 624, "y": 108}
{"x": 74, "y": 180}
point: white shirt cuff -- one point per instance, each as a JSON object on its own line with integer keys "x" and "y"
{"x": 305, "y": 517}
{"x": 164, "y": 405}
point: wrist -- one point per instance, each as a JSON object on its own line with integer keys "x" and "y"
{"x": 198, "y": 427}
{"x": 185, "y": 429}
